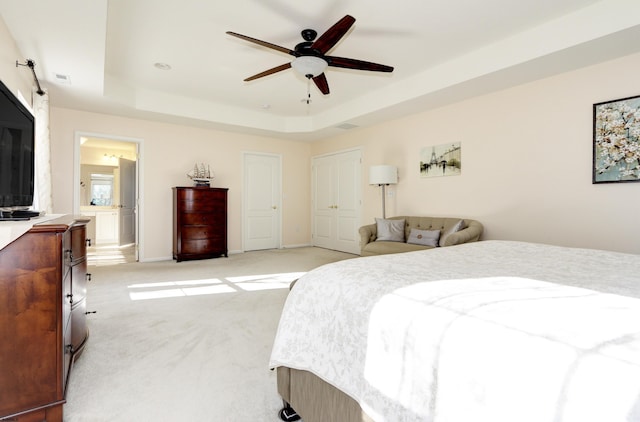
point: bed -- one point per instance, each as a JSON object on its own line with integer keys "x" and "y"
{"x": 486, "y": 331}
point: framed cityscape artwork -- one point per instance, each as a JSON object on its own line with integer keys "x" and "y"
{"x": 441, "y": 160}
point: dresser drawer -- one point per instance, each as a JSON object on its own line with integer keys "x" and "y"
{"x": 79, "y": 281}
{"x": 203, "y": 204}
{"x": 66, "y": 298}
{"x": 78, "y": 243}
{"x": 67, "y": 254}
{"x": 200, "y": 194}
{"x": 204, "y": 246}
{"x": 78, "y": 325}
{"x": 202, "y": 218}
{"x": 202, "y": 232}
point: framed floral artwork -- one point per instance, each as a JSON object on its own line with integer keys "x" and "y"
{"x": 616, "y": 141}
{"x": 441, "y": 160}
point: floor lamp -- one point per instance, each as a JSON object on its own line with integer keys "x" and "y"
{"x": 382, "y": 176}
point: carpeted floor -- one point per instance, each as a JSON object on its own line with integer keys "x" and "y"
{"x": 186, "y": 341}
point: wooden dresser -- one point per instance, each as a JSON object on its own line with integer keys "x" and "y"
{"x": 199, "y": 223}
{"x": 43, "y": 276}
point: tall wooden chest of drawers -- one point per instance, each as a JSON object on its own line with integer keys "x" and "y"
{"x": 199, "y": 223}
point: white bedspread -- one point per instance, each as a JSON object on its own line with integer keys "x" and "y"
{"x": 488, "y": 331}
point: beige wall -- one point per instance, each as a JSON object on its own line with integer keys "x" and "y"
{"x": 17, "y": 79}
{"x": 526, "y": 157}
{"x": 168, "y": 153}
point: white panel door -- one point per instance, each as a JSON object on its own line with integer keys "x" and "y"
{"x": 324, "y": 225}
{"x": 262, "y": 182}
{"x": 337, "y": 201}
{"x": 127, "y": 201}
{"x": 348, "y": 203}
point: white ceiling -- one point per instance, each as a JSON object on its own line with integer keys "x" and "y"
{"x": 442, "y": 51}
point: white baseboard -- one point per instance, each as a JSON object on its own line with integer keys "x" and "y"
{"x": 302, "y": 245}
{"x": 238, "y": 251}
{"x": 156, "y": 259}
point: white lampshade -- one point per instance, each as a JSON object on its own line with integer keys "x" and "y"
{"x": 309, "y": 65}
{"x": 383, "y": 175}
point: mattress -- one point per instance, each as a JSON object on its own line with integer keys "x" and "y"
{"x": 493, "y": 330}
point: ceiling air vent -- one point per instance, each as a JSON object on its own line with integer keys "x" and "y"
{"x": 62, "y": 79}
{"x": 346, "y": 126}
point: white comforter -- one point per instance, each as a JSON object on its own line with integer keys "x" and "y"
{"x": 487, "y": 331}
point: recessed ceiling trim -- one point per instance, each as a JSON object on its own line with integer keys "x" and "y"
{"x": 107, "y": 64}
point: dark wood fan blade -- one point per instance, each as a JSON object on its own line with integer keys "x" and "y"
{"x": 333, "y": 34}
{"x": 321, "y": 83}
{"x": 357, "y": 64}
{"x": 269, "y": 72}
{"x": 263, "y": 43}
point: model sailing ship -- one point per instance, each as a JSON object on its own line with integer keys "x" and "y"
{"x": 201, "y": 175}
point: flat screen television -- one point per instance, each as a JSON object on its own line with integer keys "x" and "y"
{"x": 17, "y": 155}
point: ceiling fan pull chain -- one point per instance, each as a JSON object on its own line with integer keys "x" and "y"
{"x": 308, "y": 99}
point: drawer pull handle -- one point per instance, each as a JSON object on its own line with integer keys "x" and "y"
{"x": 70, "y": 296}
{"x": 90, "y": 312}
{"x": 88, "y": 276}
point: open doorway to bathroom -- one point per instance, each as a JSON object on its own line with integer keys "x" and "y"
{"x": 107, "y": 192}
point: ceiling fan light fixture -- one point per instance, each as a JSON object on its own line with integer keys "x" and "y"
{"x": 309, "y": 66}
{"x": 311, "y": 60}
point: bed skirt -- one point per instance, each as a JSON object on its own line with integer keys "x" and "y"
{"x": 316, "y": 400}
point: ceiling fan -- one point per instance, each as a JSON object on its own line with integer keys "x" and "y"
{"x": 310, "y": 56}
